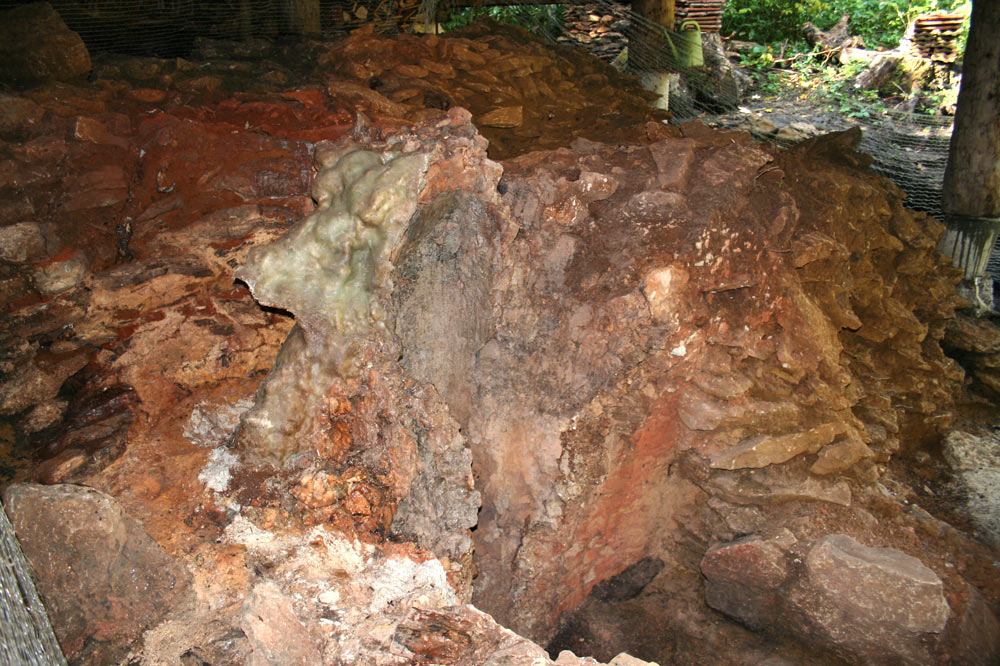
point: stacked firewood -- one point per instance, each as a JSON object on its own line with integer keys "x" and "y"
{"x": 601, "y": 29}
{"x": 707, "y": 13}
{"x": 935, "y": 36}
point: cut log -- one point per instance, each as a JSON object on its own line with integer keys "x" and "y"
{"x": 836, "y": 38}
{"x": 894, "y": 74}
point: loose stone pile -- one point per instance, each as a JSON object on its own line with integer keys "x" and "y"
{"x": 523, "y": 94}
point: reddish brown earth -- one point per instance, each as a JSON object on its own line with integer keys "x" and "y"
{"x": 628, "y": 341}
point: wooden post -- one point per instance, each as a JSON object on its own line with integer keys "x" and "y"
{"x": 304, "y": 16}
{"x": 244, "y": 20}
{"x": 658, "y": 11}
{"x": 971, "y": 196}
{"x": 648, "y": 50}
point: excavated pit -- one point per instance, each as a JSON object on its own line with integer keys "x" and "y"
{"x": 349, "y": 376}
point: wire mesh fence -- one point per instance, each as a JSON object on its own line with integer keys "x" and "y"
{"x": 26, "y": 637}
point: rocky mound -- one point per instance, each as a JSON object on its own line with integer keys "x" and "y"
{"x": 332, "y": 374}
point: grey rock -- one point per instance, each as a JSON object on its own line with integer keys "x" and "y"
{"x": 21, "y": 242}
{"x": 102, "y": 577}
{"x": 871, "y": 605}
{"x": 975, "y": 637}
{"x": 277, "y": 637}
{"x": 60, "y": 276}
{"x": 975, "y": 462}
{"x": 464, "y": 636}
{"x": 773, "y": 485}
{"x": 440, "y": 272}
{"x": 796, "y": 132}
{"x": 883, "y": 584}
{"x": 43, "y": 415}
{"x": 743, "y": 580}
{"x": 30, "y": 384}
{"x": 760, "y": 125}
{"x": 867, "y": 605}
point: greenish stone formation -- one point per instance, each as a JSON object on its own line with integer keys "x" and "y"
{"x": 328, "y": 272}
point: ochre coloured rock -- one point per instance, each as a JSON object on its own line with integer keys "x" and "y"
{"x": 508, "y": 116}
{"x": 763, "y": 450}
{"x": 21, "y": 242}
{"x": 743, "y": 579}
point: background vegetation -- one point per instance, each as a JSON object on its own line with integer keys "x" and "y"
{"x": 879, "y": 22}
{"x": 528, "y": 16}
{"x": 782, "y": 65}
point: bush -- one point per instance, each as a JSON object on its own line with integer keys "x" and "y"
{"x": 526, "y": 16}
{"x": 883, "y": 23}
{"x": 879, "y": 22}
{"x": 769, "y": 21}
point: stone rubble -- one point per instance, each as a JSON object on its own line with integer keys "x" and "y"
{"x": 629, "y": 341}
{"x": 523, "y": 94}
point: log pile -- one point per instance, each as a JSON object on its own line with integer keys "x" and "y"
{"x": 600, "y": 29}
{"x": 707, "y": 13}
{"x": 935, "y": 36}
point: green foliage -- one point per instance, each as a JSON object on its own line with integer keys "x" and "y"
{"x": 879, "y": 22}
{"x": 834, "y": 87}
{"x": 883, "y": 23}
{"x": 526, "y": 16}
{"x": 769, "y": 21}
{"x": 781, "y": 66}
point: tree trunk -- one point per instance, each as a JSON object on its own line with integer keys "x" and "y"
{"x": 304, "y": 16}
{"x": 647, "y": 46}
{"x": 244, "y": 20}
{"x": 971, "y": 196}
{"x": 658, "y": 11}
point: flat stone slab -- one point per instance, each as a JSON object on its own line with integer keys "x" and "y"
{"x": 883, "y": 585}
{"x": 103, "y": 578}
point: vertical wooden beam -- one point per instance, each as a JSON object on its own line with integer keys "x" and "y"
{"x": 659, "y": 11}
{"x": 971, "y": 196}
{"x": 304, "y": 16}
{"x": 669, "y": 10}
{"x": 244, "y": 21}
{"x": 972, "y": 178}
{"x": 648, "y": 49}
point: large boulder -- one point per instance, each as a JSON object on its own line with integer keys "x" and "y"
{"x": 36, "y": 45}
{"x": 872, "y": 604}
{"x": 102, "y": 577}
{"x": 867, "y": 605}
